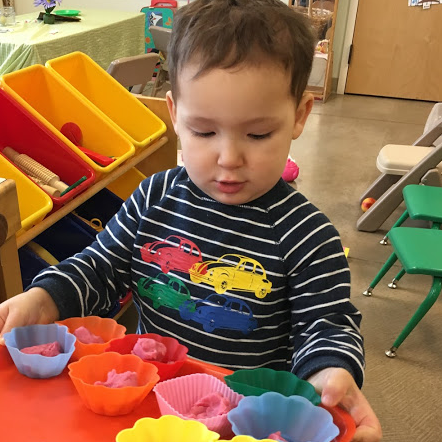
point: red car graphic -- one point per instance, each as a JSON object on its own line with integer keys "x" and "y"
{"x": 174, "y": 253}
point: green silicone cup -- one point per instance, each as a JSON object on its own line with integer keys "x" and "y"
{"x": 261, "y": 380}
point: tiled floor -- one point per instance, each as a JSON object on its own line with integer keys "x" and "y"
{"x": 337, "y": 156}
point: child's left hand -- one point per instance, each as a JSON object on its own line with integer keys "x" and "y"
{"x": 337, "y": 386}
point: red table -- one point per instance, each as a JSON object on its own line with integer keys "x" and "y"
{"x": 50, "y": 410}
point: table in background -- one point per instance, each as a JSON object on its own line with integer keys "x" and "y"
{"x": 104, "y": 35}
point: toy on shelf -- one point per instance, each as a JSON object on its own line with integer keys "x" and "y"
{"x": 291, "y": 171}
{"x": 36, "y": 171}
{"x": 163, "y": 4}
{"x": 73, "y": 133}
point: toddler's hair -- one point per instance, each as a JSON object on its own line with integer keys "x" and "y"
{"x": 227, "y": 33}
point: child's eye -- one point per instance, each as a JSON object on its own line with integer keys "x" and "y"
{"x": 259, "y": 136}
{"x": 202, "y": 134}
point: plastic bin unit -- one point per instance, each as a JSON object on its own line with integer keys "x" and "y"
{"x": 34, "y": 204}
{"x": 140, "y": 125}
{"x": 53, "y": 103}
{"x": 27, "y": 135}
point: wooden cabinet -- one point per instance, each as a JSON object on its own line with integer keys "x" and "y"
{"x": 160, "y": 155}
{"x": 323, "y": 17}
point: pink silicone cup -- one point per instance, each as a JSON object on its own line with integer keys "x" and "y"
{"x": 106, "y": 328}
{"x": 111, "y": 401}
{"x": 175, "y": 356}
{"x": 177, "y": 396}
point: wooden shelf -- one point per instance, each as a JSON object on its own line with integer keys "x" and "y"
{"x": 95, "y": 188}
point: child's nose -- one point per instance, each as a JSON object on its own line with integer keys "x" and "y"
{"x": 230, "y": 154}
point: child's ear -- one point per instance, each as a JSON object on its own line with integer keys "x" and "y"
{"x": 302, "y": 112}
{"x": 172, "y": 109}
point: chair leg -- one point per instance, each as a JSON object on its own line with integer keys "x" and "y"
{"x": 385, "y": 268}
{"x": 393, "y": 283}
{"x": 419, "y": 314}
{"x": 400, "y": 221}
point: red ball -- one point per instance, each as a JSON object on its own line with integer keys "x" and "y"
{"x": 367, "y": 203}
{"x": 73, "y": 133}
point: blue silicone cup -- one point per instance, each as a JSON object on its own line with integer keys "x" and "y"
{"x": 38, "y": 366}
{"x": 295, "y": 417}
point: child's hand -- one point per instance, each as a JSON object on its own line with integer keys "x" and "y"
{"x": 32, "y": 307}
{"x": 337, "y": 386}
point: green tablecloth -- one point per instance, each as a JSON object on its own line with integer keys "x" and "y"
{"x": 101, "y": 34}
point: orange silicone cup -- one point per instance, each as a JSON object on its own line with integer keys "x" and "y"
{"x": 175, "y": 356}
{"x": 111, "y": 401}
{"x": 106, "y": 328}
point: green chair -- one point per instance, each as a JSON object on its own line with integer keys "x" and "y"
{"x": 422, "y": 203}
{"x": 419, "y": 252}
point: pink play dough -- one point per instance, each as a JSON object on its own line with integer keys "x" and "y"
{"x": 119, "y": 380}
{"x": 214, "y": 404}
{"x": 149, "y": 350}
{"x": 276, "y": 436}
{"x": 51, "y": 349}
{"x": 86, "y": 337}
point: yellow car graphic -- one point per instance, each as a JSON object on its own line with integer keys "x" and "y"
{"x": 232, "y": 272}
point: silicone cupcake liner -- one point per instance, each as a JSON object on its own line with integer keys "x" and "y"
{"x": 111, "y": 401}
{"x": 106, "y": 328}
{"x": 246, "y": 439}
{"x": 261, "y": 380}
{"x": 175, "y": 356}
{"x": 295, "y": 417}
{"x": 177, "y": 396}
{"x": 167, "y": 429}
{"x": 35, "y": 365}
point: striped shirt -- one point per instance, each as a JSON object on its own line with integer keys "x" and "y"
{"x": 263, "y": 284}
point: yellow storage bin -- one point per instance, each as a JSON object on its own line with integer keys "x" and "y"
{"x": 47, "y": 97}
{"x": 126, "y": 183}
{"x": 135, "y": 120}
{"x": 33, "y": 202}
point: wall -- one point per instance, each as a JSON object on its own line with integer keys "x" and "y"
{"x": 340, "y": 27}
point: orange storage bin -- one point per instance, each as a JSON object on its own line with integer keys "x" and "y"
{"x": 53, "y": 103}
{"x": 140, "y": 125}
{"x": 27, "y": 135}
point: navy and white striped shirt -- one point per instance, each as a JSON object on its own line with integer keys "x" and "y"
{"x": 264, "y": 284}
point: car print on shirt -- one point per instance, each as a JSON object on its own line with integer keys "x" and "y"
{"x": 174, "y": 253}
{"x": 246, "y": 275}
{"x": 164, "y": 290}
{"x": 219, "y": 311}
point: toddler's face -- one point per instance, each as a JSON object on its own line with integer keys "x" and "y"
{"x": 235, "y": 128}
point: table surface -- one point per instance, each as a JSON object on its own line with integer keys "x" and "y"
{"x": 104, "y": 35}
{"x": 50, "y": 410}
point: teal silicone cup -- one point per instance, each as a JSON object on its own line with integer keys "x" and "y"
{"x": 34, "y": 365}
{"x": 295, "y": 417}
{"x": 262, "y": 380}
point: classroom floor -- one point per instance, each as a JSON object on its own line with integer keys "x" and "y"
{"x": 337, "y": 159}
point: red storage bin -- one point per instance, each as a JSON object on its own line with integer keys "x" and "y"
{"x": 26, "y": 134}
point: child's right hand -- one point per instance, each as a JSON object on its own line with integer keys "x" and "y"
{"x": 32, "y": 307}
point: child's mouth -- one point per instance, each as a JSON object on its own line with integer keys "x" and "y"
{"x": 229, "y": 186}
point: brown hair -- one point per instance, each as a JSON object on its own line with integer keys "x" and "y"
{"x": 227, "y": 33}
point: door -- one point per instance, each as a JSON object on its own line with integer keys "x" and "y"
{"x": 397, "y": 51}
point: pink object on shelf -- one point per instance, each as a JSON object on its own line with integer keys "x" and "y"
{"x": 291, "y": 171}
{"x": 214, "y": 404}
{"x": 86, "y": 337}
{"x": 119, "y": 380}
{"x": 51, "y": 349}
{"x": 276, "y": 436}
{"x": 149, "y": 350}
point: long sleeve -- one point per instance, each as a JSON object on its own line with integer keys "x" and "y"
{"x": 90, "y": 282}
{"x": 325, "y": 325}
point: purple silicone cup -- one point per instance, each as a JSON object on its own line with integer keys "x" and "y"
{"x": 38, "y": 366}
{"x": 295, "y": 417}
